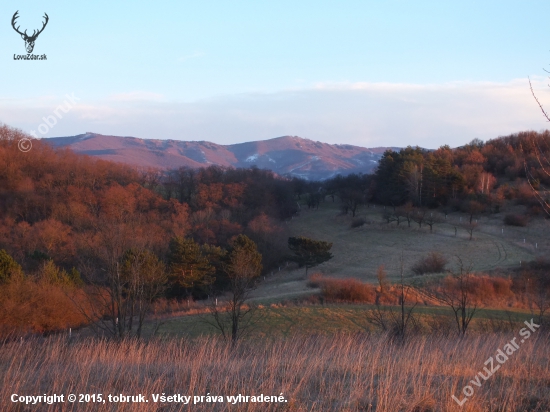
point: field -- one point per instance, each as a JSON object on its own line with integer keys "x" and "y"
{"x": 340, "y": 373}
{"x": 304, "y": 320}
{"x": 359, "y": 252}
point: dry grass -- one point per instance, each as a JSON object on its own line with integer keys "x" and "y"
{"x": 317, "y": 373}
{"x": 343, "y": 290}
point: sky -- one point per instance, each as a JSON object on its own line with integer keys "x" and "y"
{"x": 368, "y": 73}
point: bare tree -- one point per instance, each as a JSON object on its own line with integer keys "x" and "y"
{"x": 543, "y": 162}
{"x": 144, "y": 279}
{"x": 472, "y": 208}
{"x": 470, "y": 228}
{"x": 419, "y": 216}
{"x": 244, "y": 267}
{"x": 397, "y": 322}
{"x": 406, "y": 211}
{"x": 432, "y": 219}
{"x": 123, "y": 276}
{"x": 389, "y": 216}
{"x": 456, "y": 292}
{"x": 538, "y": 295}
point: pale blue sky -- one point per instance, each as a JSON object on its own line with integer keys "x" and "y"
{"x": 361, "y": 72}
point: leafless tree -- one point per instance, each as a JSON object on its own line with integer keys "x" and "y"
{"x": 389, "y": 216}
{"x": 233, "y": 319}
{"x": 470, "y": 228}
{"x": 397, "y": 322}
{"x": 406, "y": 211}
{"x": 457, "y": 293}
{"x": 123, "y": 276}
{"x": 431, "y": 219}
{"x": 543, "y": 162}
{"x": 144, "y": 278}
{"x": 419, "y": 216}
{"x": 538, "y": 295}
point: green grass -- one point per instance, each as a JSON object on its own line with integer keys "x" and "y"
{"x": 329, "y": 319}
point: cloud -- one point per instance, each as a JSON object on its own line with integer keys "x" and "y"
{"x": 136, "y": 96}
{"x": 366, "y": 114}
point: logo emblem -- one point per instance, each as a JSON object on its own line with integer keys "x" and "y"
{"x": 29, "y": 40}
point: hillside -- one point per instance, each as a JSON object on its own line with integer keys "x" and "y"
{"x": 287, "y": 155}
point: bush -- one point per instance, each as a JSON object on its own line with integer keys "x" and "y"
{"x": 358, "y": 222}
{"x": 315, "y": 280}
{"x": 433, "y": 263}
{"x": 515, "y": 220}
{"x": 39, "y": 306}
{"x": 347, "y": 290}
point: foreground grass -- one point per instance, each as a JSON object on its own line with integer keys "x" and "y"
{"x": 341, "y": 373}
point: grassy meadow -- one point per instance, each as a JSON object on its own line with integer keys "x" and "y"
{"x": 321, "y": 357}
{"x": 339, "y": 372}
{"x": 360, "y": 251}
{"x": 277, "y": 321}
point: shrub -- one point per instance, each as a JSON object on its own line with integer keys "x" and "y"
{"x": 347, "y": 290}
{"x": 433, "y": 263}
{"x": 515, "y": 220}
{"x": 358, "y": 222}
{"x": 482, "y": 289}
{"x": 315, "y": 280}
{"x": 39, "y": 306}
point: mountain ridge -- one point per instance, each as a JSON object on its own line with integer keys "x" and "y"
{"x": 285, "y": 155}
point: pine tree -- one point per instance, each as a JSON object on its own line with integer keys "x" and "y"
{"x": 9, "y": 268}
{"x": 309, "y": 252}
{"x": 189, "y": 267}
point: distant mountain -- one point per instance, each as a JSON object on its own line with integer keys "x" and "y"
{"x": 287, "y": 155}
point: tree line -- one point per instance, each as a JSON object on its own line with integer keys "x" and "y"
{"x": 480, "y": 176}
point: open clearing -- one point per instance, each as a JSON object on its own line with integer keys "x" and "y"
{"x": 359, "y": 252}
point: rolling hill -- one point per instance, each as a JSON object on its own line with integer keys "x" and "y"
{"x": 287, "y": 155}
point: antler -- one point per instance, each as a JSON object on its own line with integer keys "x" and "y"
{"x": 34, "y": 34}
{"x": 13, "y": 19}
{"x": 44, "y": 25}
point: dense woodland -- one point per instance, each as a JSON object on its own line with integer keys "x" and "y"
{"x": 506, "y": 168}
{"x": 68, "y": 221}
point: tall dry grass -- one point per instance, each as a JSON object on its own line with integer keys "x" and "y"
{"x": 318, "y": 373}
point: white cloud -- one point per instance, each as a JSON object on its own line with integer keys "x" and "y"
{"x": 136, "y": 96}
{"x": 366, "y": 114}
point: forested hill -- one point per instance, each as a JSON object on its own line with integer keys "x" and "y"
{"x": 479, "y": 176}
{"x": 61, "y": 206}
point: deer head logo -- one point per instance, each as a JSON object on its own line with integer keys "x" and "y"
{"x": 29, "y": 40}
